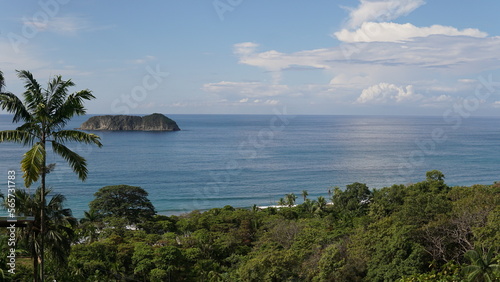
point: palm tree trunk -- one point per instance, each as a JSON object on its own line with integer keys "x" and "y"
{"x": 35, "y": 264}
{"x": 42, "y": 217}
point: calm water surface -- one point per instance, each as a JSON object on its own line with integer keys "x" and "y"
{"x": 241, "y": 160}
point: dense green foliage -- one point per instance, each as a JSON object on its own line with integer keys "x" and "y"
{"x": 124, "y": 202}
{"x": 425, "y": 231}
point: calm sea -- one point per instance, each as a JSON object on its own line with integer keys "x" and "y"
{"x": 242, "y": 160}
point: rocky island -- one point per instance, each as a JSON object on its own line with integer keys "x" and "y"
{"x": 154, "y": 122}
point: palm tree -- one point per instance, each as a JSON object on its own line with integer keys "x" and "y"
{"x": 281, "y": 202}
{"x": 59, "y": 224}
{"x": 45, "y": 112}
{"x": 320, "y": 204}
{"x": 308, "y": 205}
{"x": 305, "y": 194}
{"x": 91, "y": 224}
{"x": 482, "y": 267}
{"x": 290, "y": 199}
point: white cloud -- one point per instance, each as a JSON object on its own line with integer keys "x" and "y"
{"x": 345, "y": 79}
{"x": 467, "y": 80}
{"x": 274, "y": 62}
{"x": 245, "y": 89}
{"x": 144, "y": 60}
{"x": 394, "y": 32}
{"x": 440, "y": 65}
{"x": 384, "y": 10}
{"x": 60, "y": 25}
{"x": 384, "y": 93}
{"x": 372, "y": 62}
{"x": 272, "y": 102}
{"x": 245, "y": 48}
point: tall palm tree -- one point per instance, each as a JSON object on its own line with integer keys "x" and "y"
{"x": 91, "y": 224}
{"x": 309, "y": 205}
{"x": 281, "y": 202}
{"x": 290, "y": 199}
{"x": 482, "y": 267}
{"x": 44, "y": 113}
{"x": 305, "y": 194}
{"x": 59, "y": 224}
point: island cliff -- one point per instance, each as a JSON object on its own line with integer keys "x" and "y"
{"x": 154, "y": 122}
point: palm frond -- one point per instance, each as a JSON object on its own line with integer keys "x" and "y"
{"x": 12, "y": 104}
{"x": 73, "y": 106}
{"x": 63, "y": 136}
{"x": 33, "y": 163}
{"x": 33, "y": 95}
{"x": 2, "y": 81}
{"x": 33, "y": 128}
{"x": 76, "y": 162}
{"x": 16, "y": 136}
{"x": 56, "y": 202}
{"x": 57, "y": 92}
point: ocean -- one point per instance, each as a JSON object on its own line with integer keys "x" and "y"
{"x": 242, "y": 160}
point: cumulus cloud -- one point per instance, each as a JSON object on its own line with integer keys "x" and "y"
{"x": 394, "y": 32}
{"x": 382, "y": 10}
{"x": 374, "y": 51}
{"x": 453, "y": 59}
{"x": 384, "y": 93}
{"x": 373, "y": 62}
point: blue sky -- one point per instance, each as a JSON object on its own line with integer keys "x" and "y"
{"x": 410, "y": 57}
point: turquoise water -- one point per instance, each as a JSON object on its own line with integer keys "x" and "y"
{"x": 241, "y": 160}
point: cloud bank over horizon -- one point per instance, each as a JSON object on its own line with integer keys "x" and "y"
{"x": 378, "y": 62}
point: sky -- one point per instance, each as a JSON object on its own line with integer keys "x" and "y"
{"x": 344, "y": 57}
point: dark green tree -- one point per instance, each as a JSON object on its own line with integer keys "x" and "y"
{"x": 44, "y": 113}
{"x": 90, "y": 225}
{"x": 355, "y": 198}
{"x": 59, "y": 224}
{"x": 434, "y": 175}
{"x": 123, "y": 201}
{"x": 321, "y": 204}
